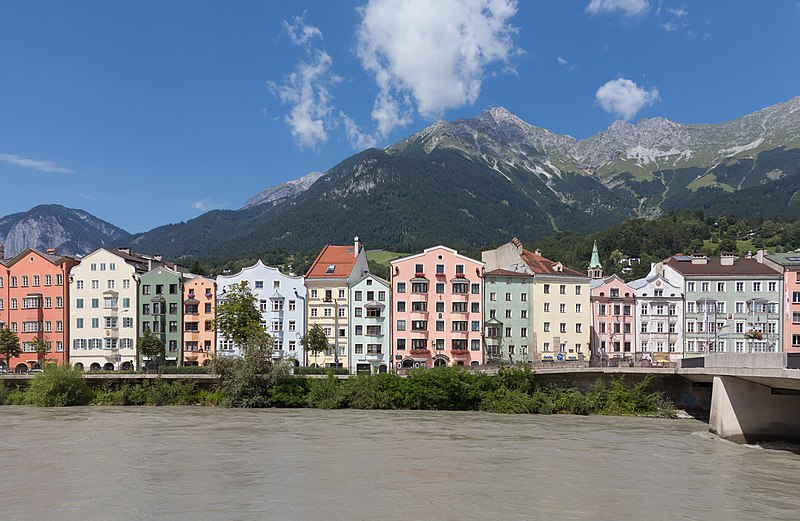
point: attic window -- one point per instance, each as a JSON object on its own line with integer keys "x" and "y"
{"x": 793, "y": 259}
{"x": 330, "y": 269}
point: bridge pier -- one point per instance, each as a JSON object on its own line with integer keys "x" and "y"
{"x": 747, "y": 412}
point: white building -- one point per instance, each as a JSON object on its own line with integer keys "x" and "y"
{"x": 103, "y": 306}
{"x": 659, "y": 318}
{"x": 282, "y": 302}
{"x": 370, "y": 325}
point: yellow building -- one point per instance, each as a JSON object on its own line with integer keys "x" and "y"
{"x": 328, "y": 301}
{"x": 561, "y": 316}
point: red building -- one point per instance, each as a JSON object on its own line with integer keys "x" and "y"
{"x": 34, "y": 303}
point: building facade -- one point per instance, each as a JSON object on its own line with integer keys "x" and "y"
{"x": 613, "y": 335}
{"x": 731, "y": 304}
{"x": 103, "y": 304}
{"x": 328, "y": 282}
{"x": 370, "y": 325}
{"x": 199, "y": 331}
{"x": 561, "y": 313}
{"x": 282, "y": 303}
{"x": 789, "y": 265}
{"x": 161, "y": 310}
{"x": 508, "y": 316}
{"x": 34, "y": 303}
{"x": 437, "y": 300}
{"x": 659, "y": 319}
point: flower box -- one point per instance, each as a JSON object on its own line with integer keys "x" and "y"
{"x": 420, "y": 274}
{"x": 419, "y": 352}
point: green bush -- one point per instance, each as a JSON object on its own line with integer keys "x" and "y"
{"x": 321, "y": 370}
{"x": 326, "y": 393}
{"x": 292, "y": 393}
{"x": 508, "y": 401}
{"x": 58, "y": 387}
{"x": 369, "y": 392}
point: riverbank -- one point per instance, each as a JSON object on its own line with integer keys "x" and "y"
{"x": 511, "y": 391}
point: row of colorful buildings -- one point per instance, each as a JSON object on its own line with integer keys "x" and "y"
{"x": 439, "y": 308}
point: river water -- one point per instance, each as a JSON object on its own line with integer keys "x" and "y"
{"x": 193, "y": 463}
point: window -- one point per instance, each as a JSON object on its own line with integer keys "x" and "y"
{"x": 419, "y": 325}
{"x": 401, "y": 287}
{"x": 401, "y": 344}
{"x": 458, "y": 307}
{"x": 314, "y": 293}
{"x": 358, "y": 296}
{"x": 562, "y": 327}
{"x": 110, "y": 284}
{"x": 546, "y": 347}
{"x": 739, "y": 287}
{"x": 562, "y": 308}
{"x": 547, "y": 307}
{"x": 508, "y": 297}
{"x": 459, "y": 325}
{"x": 359, "y": 330}
{"x": 440, "y": 287}
{"x": 523, "y": 313}
{"x": 690, "y": 286}
{"x": 259, "y": 284}
{"x": 126, "y": 284}
{"x": 381, "y": 296}
{"x": 476, "y": 307}
{"x": 562, "y": 289}
{"x": 492, "y": 296}
{"x": 460, "y": 287}
{"x": 78, "y": 284}
{"x": 578, "y": 308}
{"x": 546, "y": 289}
{"x": 401, "y": 306}
{"x": 601, "y": 309}
{"x": 96, "y": 304}
{"x": 772, "y": 286}
{"x": 704, "y": 286}
{"x": 146, "y": 289}
{"x": 127, "y": 322}
{"x": 690, "y": 307}
{"x": 756, "y": 286}
{"x": 508, "y": 332}
{"x": 419, "y": 287}
{"x": 508, "y": 313}
{"x": 547, "y": 327}
{"x": 24, "y": 281}
{"x": 374, "y": 330}
{"x": 476, "y": 289}
{"x": 721, "y": 287}
{"x": 95, "y": 284}
{"x": 36, "y": 280}
{"x": 475, "y": 325}
{"x": 440, "y": 325}
{"x": 419, "y": 269}
{"x": 440, "y": 269}
{"x": 357, "y": 312}
{"x": 173, "y": 289}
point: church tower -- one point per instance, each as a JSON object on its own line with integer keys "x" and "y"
{"x": 595, "y": 270}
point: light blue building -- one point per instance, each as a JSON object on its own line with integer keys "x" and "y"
{"x": 370, "y": 323}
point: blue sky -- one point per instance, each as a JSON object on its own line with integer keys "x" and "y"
{"x": 146, "y": 113}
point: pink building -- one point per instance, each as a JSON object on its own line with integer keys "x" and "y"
{"x": 789, "y": 264}
{"x": 436, "y": 300}
{"x": 613, "y": 319}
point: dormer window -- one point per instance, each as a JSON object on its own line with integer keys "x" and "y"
{"x": 330, "y": 269}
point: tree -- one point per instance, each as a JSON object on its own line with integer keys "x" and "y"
{"x": 151, "y": 346}
{"x": 9, "y": 346}
{"x": 41, "y": 346}
{"x": 238, "y": 317}
{"x": 196, "y": 268}
{"x": 315, "y": 341}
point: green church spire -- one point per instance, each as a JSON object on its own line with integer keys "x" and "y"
{"x": 595, "y": 262}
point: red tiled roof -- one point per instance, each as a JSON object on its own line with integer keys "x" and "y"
{"x": 543, "y": 266}
{"x": 342, "y": 257}
{"x": 506, "y": 273}
{"x": 713, "y": 267}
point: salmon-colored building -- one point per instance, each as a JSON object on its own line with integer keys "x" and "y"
{"x": 34, "y": 303}
{"x": 789, "y": 265}
{"x": 613, "y": 320}
{"x": 199, "y": 333}
{"x": 437, "y": 299}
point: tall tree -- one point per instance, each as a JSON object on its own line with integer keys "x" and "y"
{"x": 9, "y": 345}
{"x": 238, "y": 317}
{"x": 315, "y": 341}
{"x": 151, "y": 346}
{"x": 42, "y": 346}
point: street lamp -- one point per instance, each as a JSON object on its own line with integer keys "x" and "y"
{"x": 705, "y": 302}
{"x": 753, "y": 304}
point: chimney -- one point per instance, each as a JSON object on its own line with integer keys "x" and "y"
{"x": 126, "y": 249}
{"x": 159, "y": 257}
{"x": 700, "y": 259}
{"x": 51, "y": 251}
{"x": 760, "y": 256}
{"x": 538, "y": 252}
{"x": 517, "y": 244}
{"x": 356, "y": 246}
{"x": 727, "y": 259}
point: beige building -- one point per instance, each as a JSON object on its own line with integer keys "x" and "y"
{"x": 328, "y": 281}
{"x": 561, "y": 317}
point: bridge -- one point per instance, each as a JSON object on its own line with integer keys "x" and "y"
{"x": 747, "y": 397}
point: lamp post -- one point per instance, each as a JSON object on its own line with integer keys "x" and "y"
{"x": 752, "y": 305}
{"x": 704, "y": 302}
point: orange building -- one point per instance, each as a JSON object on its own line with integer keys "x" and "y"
{"x": 34, "y": 303}
{"x": 199, "y": 333}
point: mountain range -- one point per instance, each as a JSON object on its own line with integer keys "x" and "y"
{"x": 483, "y": 180}
{"x": 67, "y": 230}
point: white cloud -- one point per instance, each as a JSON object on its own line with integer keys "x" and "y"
{"x": 673, "y": 19}
{"x": 626, "y": 7}
{"x": 358, "y": 138}
{"x": 428, "y": 56}
{"x": 624, "y": 98}
{"x": 204, "y": 205}
{"x": 43, "y": 166}
{"x": 565, "y": 63}
{"x": 306, "y": 90}
{"x": 561, "y": 61}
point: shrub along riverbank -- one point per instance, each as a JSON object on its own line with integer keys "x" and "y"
{"x": 512, "y": 391}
